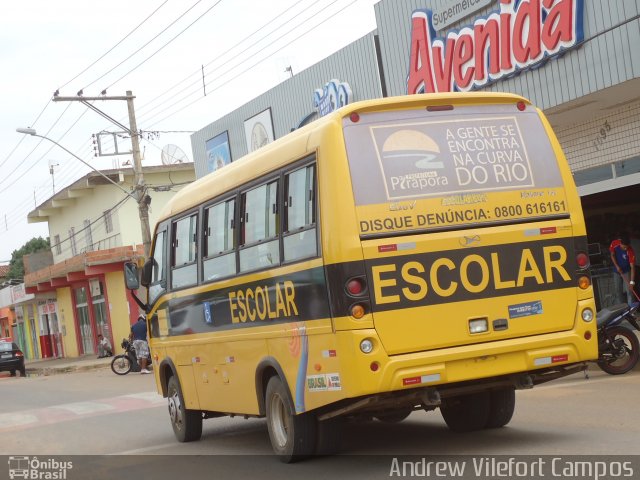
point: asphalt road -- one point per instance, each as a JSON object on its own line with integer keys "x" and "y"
{"x": 99, "y": 413}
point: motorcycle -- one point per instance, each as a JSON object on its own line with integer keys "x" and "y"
{"x": 128, "y": 361}
{"x": 618, "y": 346}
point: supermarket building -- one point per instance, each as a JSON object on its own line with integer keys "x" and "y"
{"x": 577, "y": 60}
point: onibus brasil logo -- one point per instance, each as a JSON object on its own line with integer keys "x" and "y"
{"x": 34, "y": 468}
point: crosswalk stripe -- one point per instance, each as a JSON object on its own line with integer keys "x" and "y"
{"x": 52, "y": 414}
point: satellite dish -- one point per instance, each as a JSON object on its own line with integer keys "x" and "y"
{"x": 173, "y": 154}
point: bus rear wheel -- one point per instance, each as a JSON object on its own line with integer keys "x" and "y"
{"x": 187, "y": 424}
{"x": 293, "y": 437}
{"x": 503, "y": 403}
{"x": 466, "y": 413}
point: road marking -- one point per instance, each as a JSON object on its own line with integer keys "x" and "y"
{"x": 85, "y": 408}
{"x": 53, "y": 414}
{"x": 141, "y": 451}
{"x": 151, "y": 397}
{"x": 17, "y": 419}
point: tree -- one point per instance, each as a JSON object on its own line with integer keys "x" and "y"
{"x": 16, "y": 267}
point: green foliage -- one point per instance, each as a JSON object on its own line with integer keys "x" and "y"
{"x": 16, "y": 267}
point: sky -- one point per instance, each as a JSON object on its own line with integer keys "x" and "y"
{"x": 157, "y": 49}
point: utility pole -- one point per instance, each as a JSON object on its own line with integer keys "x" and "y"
{"x": 143, "y": 198}
{"x": 140, "y": 190}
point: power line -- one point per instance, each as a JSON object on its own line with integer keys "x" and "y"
{"x": 198, "y": 72}
{"x": 264, "y": 26}
{"x": 48, "y": 150}
{"x": 279, "y": 16}
{"x": 194, "y": 92}
{"x": 6, "y": 177}
{"x": 71, "y": 170}
{"x": 162, "y": 47}
{"x": 24, "y": 206}
{"x": 116, "y": 45}
{"x": 19, "y": 213}
{"x": 161, "y": 32}
{"x": 22, "y": 139}
{"x": 251, "y": 66}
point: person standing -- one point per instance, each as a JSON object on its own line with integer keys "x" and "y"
{"x": 138, "y": 336}
{"x": 623, "y": 258}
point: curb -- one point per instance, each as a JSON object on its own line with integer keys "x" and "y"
{"x": 47, "y": 371}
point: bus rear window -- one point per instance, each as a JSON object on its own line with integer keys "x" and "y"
{"x": 413, "y": 154}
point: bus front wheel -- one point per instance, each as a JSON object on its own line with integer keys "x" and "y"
{"x": 187, "y": 424}
{"x": 293, "y": 437}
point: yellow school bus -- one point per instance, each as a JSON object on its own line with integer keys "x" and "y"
{"x": 398, "y": 254}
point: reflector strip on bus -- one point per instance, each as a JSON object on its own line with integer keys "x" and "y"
{"x": 534, "y": 232}
{"x": 550, "y": 360}
{"x": 396, "y": 246}
{"x": 435, "y": 377}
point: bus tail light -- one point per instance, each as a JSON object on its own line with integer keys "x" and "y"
{"x": 582, "y": 259}
{"x": 584, "y": 282}
{"x": 521, "y": 106}
{"x": 355, "y": 286}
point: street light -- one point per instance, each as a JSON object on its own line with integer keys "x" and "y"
{"x": 32, "y": 132}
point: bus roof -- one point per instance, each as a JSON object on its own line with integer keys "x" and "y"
{"x": 253, "y": 165}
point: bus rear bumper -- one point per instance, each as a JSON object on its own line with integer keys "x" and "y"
{"x": 430, "y": 398}
{"x": 537, "y": 356}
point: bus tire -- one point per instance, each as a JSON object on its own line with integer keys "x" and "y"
{"x": 293, "y": 437}
{"x": 502, "y": 405}
{"x": 466, "y": 413}
{"x": 187, "y": 424}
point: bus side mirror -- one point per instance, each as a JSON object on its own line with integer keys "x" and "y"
{"x": 147, "y": 270}
{"x": 131, "y": 276}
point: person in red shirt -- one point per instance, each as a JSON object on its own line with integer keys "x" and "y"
{"x": 624, "y": 258}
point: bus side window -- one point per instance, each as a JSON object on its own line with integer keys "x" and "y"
{"x": 259, "y": 233}
{"x": 159, "y": 272}
{"x": 219, "y": 253}
{"x": 300, "y": 239}
{"x": 184, "y": 249}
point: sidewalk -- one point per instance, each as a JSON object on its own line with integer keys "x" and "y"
{"x": 52, "y": 366}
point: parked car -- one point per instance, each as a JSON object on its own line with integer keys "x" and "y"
{"x": 11, "y": 358}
